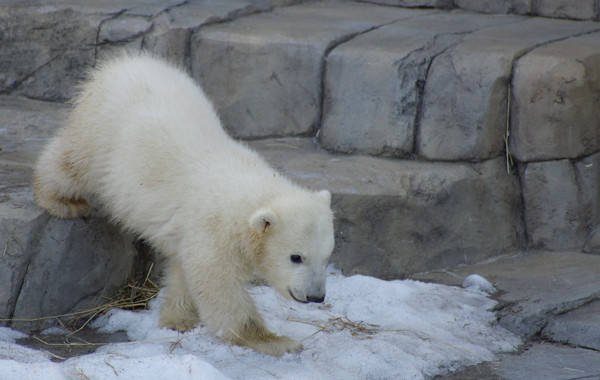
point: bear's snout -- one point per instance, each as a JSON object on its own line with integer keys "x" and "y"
{"x": 309, "y": 298}
{"x": 316, "y": 299}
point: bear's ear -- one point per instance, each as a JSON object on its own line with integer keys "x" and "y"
{"x": 262, "y": 220}
{"x": 325, "y": 196}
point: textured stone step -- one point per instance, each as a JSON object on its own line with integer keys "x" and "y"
{"x": 281, "y": 54}
{"x": 466, "y": 94}
{"x": 401, "y": 82}
{"x": 47, "y": 266}
{"x": 374, "y": 83}
{"x": 561, "y": 203}
{"x": 46, "y": 49}
{"x": 556, "y": 92}
{"x": 580, "y": 327}
{"x": 569, "y": 9}
{"x": 396, "y": 217}
{"x": 432, "y": 83}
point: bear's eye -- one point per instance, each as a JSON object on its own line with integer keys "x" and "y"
{"x": 296, "y": 259}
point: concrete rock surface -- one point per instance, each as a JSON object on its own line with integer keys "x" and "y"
{"x": 579, "y": 327}
{"x": 550, "y": 299}
{"x": 539, "y": 361}
{"x": 556, "y": 90}
{"x": 281, "y": 54}
{"x": 412, "y": 216}
{"x": 48, "y": 266}
{"x": 374, "y": 84}
{"x": 465, "y": 96}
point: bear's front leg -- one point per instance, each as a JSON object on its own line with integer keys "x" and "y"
{"x": 227, "y": 310}
{"x": 178, "y": 312}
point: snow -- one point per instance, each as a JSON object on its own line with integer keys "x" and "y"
{"x": 367, "y": 329}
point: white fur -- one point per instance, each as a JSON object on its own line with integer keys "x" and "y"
{"x": 144, "y": 139}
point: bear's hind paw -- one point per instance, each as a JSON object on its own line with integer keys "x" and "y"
{"x": 66, "y": 208}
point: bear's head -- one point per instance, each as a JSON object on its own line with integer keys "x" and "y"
{"x": 296, "y": 240}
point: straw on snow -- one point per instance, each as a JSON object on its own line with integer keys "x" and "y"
{"x": 135, "y": 295}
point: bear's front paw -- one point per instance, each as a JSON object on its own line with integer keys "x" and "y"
{"x": 276, "y": 345}
{"x": 178, "y": 319}
{"x": 181, "y": 325}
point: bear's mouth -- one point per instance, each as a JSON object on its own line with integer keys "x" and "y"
{"x": 296, "y": 299}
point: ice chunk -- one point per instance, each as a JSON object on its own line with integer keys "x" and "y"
{"x": 476, "y": 282}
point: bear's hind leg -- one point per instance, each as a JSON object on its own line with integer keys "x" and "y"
{"x": 56, "y": 186}
{"x": 178, "y": 312}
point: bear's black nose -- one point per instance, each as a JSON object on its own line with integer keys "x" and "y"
{"x": 317, "y": 299}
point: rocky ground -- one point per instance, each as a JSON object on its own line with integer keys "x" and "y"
{"x": 551, "y": 300}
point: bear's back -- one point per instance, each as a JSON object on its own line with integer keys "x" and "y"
{"x": 150, "y": 140}
{"x": 131, "y": 88}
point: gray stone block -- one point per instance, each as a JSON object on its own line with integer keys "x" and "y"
{"x": 264, "y": 72}
{"x": 27, "y": 124}
{"x": 448, "y": 215}
{"x": 465, "y": 97}
{"x": 587, "y": 171}
{"x": 579, "y": 10}
{"x": 520, "y": 7}
{"x": 565, "y": 9}
{"x": 171, "y": 30}
{"x": 52, "y": 267}
{"x": 579, "y": 327}
{"x": 396, "y": 217}
{"x": 555, "y": 112}
{"x": 373, "y": 83}
{"x": 72, "y": 264}
{"x": 414, "y": 3}
{"x": 588, "y": 178}
{"x": 47, "y": 266}
{"x": 44, "y": 50}
{"x": 553, "y": 205}
{"x": 592, "y": 241}
{"x": 123, "y": 28}
{"x": 17, "y": 226}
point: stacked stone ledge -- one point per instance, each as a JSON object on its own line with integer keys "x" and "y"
{"x": 384, "y": 232}
{"x": 565, "y": 9}
{"x": 424, "y": 84}
{"x": 413, "y": 103}
{"x": 48, "y": 266}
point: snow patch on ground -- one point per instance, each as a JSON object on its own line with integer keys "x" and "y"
{"x": 367, "y": 328}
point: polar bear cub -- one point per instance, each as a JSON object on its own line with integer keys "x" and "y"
{"x": 145, "y": 141}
